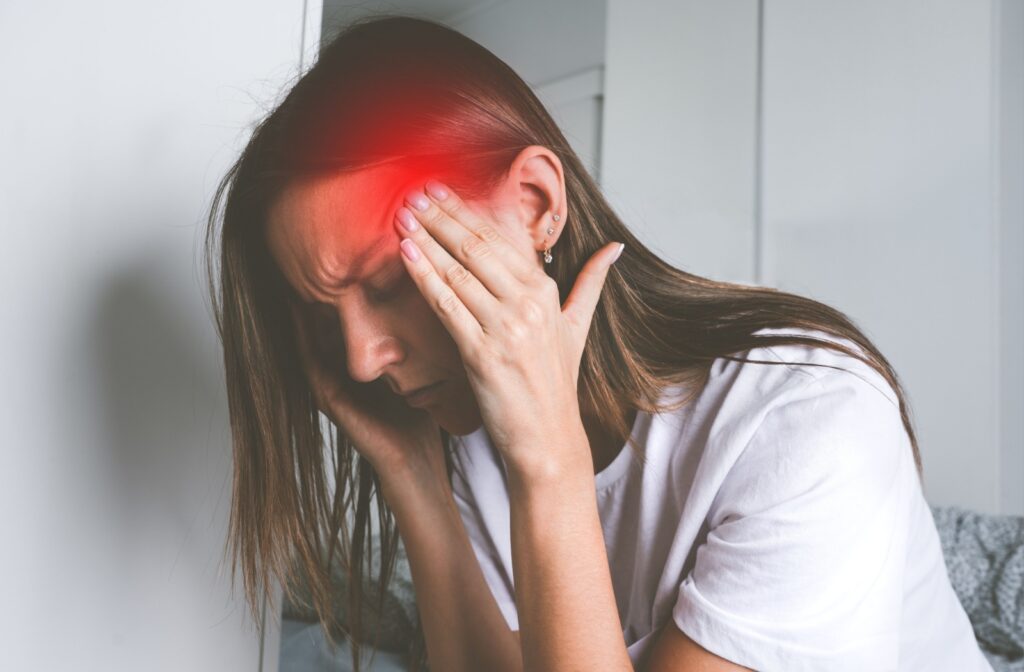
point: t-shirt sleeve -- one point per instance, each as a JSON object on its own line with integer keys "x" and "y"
{"x": 802, "y": 568}
{"x": 475, "y": 519}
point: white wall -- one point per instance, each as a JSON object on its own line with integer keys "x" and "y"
{"x": 558, "y": 49}
{"x": 678, "y": 143}
{"x": 1009, "y": 136}
{"x": 556, "y": 46}
{"x": 877, "y": 181}
{"x": 118, "y": 117}
{"x": 851, "y": 152}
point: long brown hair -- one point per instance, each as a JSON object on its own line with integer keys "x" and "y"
{"x": 415, "y": 93}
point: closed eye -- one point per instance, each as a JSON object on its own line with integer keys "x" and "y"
{"x": 398, "y": 280}
{"x": 393, "y": 289}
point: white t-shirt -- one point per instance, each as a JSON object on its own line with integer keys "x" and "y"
{"x": 778, "y": 521}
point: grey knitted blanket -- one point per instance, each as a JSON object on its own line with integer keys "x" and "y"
{"x": 395, "y": 623}
{"x": 984, "y": 555}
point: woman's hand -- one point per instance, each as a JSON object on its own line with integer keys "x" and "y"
{"x": 521, "y": 349}
{"x": 395, "y": 437}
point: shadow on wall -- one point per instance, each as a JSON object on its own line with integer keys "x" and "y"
{"x": 160, "y": 393}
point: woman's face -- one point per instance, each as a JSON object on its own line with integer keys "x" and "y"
{"x": 335, "y": 242}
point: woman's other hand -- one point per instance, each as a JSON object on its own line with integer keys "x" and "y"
{"x": 392, "y": 435}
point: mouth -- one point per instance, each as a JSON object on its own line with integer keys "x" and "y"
{"x": 422, "y": 394}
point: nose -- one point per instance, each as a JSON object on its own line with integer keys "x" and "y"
{"x": 370, "y": 344}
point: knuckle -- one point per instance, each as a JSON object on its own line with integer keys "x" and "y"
{"x": 531, "y": 312}
{"x": 487, "y": 233}
{"x": 455, "y": 207}
{"x": 480, "y": 361}
{"x": 448, "y": 303}
{"x": 436, "y": 248}
{"x": 549, "y": 287}
{"x": 434, "y": 216}
{"x": 476, "y": 353}
{"x": 457, "y": 274}
{"x": 515, "y": 331}
{"x": 423, "y": 272}
{"x": 474, "y": 247}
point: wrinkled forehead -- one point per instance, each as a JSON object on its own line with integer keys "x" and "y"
{"x": 342, "y": 213}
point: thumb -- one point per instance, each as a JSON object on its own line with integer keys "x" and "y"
{"x": 579, "y": 306}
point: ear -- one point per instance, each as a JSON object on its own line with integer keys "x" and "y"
{"x": 533, "y": 194}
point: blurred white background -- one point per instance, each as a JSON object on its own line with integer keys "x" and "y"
{"x": 868, "y": 154}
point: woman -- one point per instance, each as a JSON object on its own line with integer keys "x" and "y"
{"x": 410, "y": 217}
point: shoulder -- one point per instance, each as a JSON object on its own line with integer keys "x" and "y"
{"x": 822, "y": 412}
{"x": 779, "y": 375}
{"x": 796, "y": 363}
{"x": 817, "y": 435}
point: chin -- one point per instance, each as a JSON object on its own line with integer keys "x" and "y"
{"x": 458, "y": 416}
{"x": 461, "y": 428}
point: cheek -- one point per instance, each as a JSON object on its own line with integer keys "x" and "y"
{"x": 325, "y": 329}
{"x": 414, "y": 309}
{"x": 422, "y": 326}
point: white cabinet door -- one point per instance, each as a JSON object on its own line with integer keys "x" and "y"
{"x": 877, "y": 181}
{"x": 865, "y": 154}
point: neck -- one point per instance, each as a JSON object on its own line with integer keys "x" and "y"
{"x": 604, "y": 447}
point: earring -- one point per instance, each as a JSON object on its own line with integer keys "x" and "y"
{"x": 547, "y": 250}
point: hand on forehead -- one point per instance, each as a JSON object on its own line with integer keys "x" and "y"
{"x": 333, "y": 228}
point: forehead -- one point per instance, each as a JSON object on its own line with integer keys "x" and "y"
{"x": 327, "y": 221}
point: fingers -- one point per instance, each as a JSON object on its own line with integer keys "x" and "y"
{"x": 447, "y": 300}
{"x": 475, "y": 244}
{"x": 581, "y": 303}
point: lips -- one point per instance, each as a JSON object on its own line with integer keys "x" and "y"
{"x": 420, "y": 389}
{"x": 424, "y": 396}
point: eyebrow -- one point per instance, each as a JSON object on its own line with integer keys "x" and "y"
{"x": 360, "y": 260}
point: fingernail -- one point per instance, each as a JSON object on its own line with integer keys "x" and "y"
{"x": 622, "y": 246}
{"x": 409, "y": 249}
{"x": 417, "y": 200}
{"x": 408, "y": 220}
{"x": 436, "y": 189}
